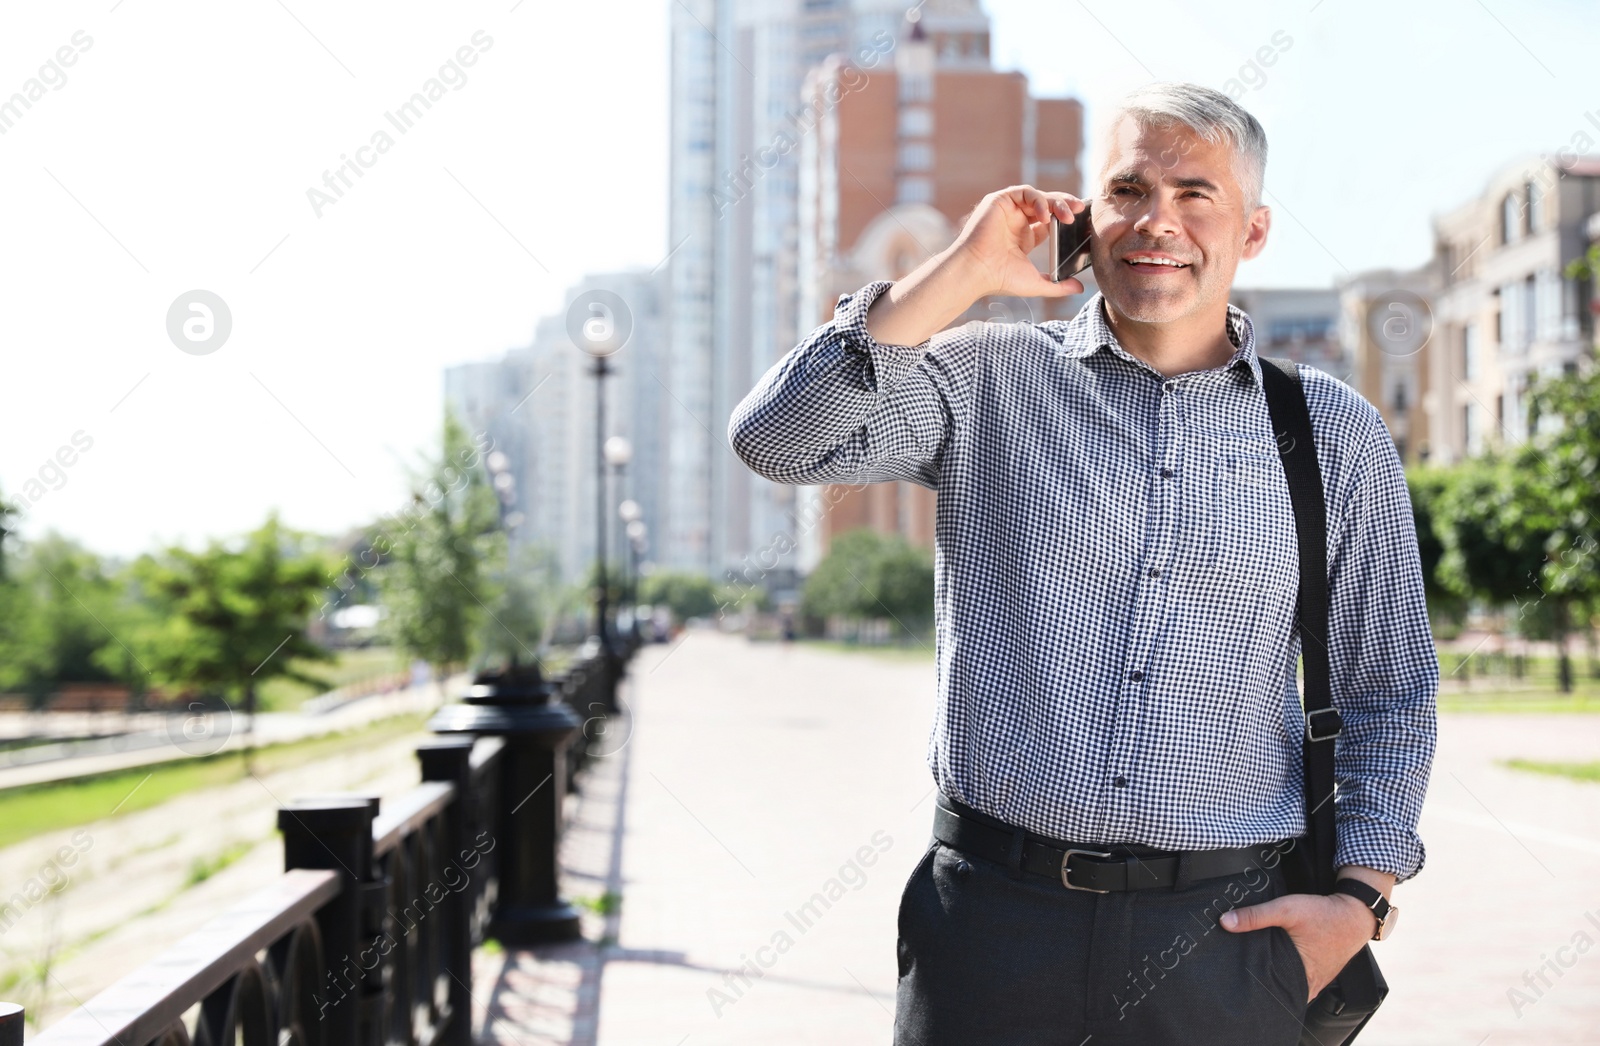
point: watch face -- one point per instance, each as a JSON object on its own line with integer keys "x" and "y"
{"x": 1387, "y": 929}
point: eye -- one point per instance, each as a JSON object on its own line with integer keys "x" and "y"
{"x": 1120, "y": 189}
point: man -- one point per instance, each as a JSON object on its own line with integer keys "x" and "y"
{"x": 1116, "y": 575}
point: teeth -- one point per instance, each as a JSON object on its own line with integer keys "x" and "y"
{"x": 1156, "y": 261}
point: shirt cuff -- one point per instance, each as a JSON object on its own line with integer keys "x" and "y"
{"x": 889, "y": 363}
{"x": 1380, "y": 845}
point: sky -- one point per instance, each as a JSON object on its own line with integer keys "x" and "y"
{"x": 186, "y": 155}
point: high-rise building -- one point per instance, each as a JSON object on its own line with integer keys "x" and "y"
{"x": 906, "y": 144}
{"x": 739, "y": 124}
{"x": 736, "y": 119}
{"x": 537, "y": 405}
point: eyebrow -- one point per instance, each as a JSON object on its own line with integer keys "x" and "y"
{"x": 1135, "y": 177}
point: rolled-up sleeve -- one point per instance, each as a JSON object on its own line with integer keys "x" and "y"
{"x": 841, "y": 408}
{"x": 1385, "y": 668}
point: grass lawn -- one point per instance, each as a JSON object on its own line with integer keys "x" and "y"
{"x": 1536, "y": 693}
{"x": 1576, "y": 771}
{"x": 286, "y": 695}
{"x": 906, "y": 650}
{"x": 29, "y": 810}
{"x": 1585, "y": 697}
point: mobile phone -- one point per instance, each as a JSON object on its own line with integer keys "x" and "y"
{"x": 1069, "y": 245}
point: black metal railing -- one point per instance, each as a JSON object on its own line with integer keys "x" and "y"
{"x": 367, "y": 937}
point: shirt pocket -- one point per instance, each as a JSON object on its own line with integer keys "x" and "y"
{"x": 1251, "y": 544}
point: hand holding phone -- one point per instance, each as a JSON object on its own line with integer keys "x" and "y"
{"x": 1068, "y": 250}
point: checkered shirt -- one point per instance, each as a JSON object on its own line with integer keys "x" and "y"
{"x": 1116, "y": 577}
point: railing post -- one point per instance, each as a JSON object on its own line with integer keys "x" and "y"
{"x": 448, "y": 759}
{"x": 570, "y": 686}
{"x": 517, "y": 705}
{"x": 10, "y": 1024}
{"x": 337, "y": 834}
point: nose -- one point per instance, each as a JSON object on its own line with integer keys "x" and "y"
{"x": 1160, "y": 217}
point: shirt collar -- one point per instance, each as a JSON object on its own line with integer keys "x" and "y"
{"x": 1088, "y": 332}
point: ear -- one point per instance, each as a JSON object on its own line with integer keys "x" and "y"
{"x": 1255, "y": 232}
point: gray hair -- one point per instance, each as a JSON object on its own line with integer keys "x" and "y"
{"x": 1208, "y": 113}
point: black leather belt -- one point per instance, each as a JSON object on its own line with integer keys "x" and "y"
{"x": 1100, "y": 869}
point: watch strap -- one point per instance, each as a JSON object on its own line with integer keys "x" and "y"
{"x": 1368, "y": 895}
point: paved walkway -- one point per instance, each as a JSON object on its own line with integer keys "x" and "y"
{"x": 758, "y": 775}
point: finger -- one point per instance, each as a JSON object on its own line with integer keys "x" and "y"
{"x": 1045, "y": 287}
{"x": 1254, "y": 917}
{"x": 1065, "y": 205}
{"x": 1034, "y": 203}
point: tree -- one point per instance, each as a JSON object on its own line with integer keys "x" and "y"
{"x": 870, "y": 575}
{"x": 230, "y": 618}
{"x": 530, "y": 602}
{"x": 686, "y": 594}
{"x": 442, "y": 554}
{"x": 1497, "y": 521}
{"x": 1564, "y": 449}
{"x": 1429, "y": 486}
{"x": 8, "y": 514}
{"x": 69, "y": 611}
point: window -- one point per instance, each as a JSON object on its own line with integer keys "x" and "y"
{"x": 914, "y": 190}
{"x": 916, "y": 86}
{"x": 1469, "y": 351}
{"x": 1300, "y": 329}
{"x": 916, "y": 156}
{"x": 1535, "y": 207}
{"x": 1512, "y": 330}
{"x": 916, "y": 121}
{"x": 1530, "y": 310}
{"x": 1510, "y": 219}
{"x": 1500, "y": 410}
{"x": 1552, "y": 295}
{"x": 1400, "y": 395}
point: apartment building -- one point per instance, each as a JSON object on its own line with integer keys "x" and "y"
{"x": 902, "y": 152}
{"x": 1505, "y": 311}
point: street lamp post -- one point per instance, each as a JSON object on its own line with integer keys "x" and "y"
{"x": 630, "y": 512}
{"x": 636, "y": 543}
{"x": 599, "y": 322}
{"x": 616, "y": 452}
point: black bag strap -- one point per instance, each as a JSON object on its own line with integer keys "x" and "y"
{"x": 1291, "y": 422}
{"x": 1343, "y": 1008}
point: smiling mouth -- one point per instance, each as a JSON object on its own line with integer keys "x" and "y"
{"x": 1147, "y": 266}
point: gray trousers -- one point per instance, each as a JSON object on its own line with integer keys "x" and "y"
{"x": 987, "y": 959}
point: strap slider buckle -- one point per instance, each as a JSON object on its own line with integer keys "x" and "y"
{"x": 1066, "y": 879}
{"x": 1324, "y": 724}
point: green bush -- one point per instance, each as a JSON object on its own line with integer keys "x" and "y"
{"x": 871, "y": 575}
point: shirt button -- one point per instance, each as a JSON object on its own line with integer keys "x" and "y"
{"x": 1136, "y": 675}
{"x": 1155, "y": 571}
{"x": 1120, "y": 782}
{"x": 1166, "y": 473}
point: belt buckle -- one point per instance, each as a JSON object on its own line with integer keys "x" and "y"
{"x": 1065, "y": 868}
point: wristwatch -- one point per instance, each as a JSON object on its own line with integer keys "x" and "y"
{"x": 1387, "y": 914}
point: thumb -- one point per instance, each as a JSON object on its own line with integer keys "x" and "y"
{"x": 1045, "y": 287}
{"x": 1255, "y": 916}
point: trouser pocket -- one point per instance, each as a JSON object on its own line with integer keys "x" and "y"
{"x": 903, "y": 950}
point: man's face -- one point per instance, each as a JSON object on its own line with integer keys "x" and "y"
{"x": 1168, "y": 192}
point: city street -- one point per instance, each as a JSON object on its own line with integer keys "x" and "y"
{"x": 756, "y": 773}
